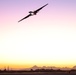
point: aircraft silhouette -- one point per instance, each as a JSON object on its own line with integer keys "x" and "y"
{"x": 33, "y": 12}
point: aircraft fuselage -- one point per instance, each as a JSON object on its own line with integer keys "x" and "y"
{"x": 32, "y": 13}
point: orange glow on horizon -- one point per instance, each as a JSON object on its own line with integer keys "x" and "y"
{"x": 19, "y": 66}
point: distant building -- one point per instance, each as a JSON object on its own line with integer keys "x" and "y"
{"x": 35, "y": 67}
{"x": 74, "y": 67}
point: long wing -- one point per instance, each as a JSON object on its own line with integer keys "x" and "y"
{"x": 36, "y": 11}
{"x": 25, "y": 17}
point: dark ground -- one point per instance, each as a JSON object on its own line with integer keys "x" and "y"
{"x": 40, "y": 73}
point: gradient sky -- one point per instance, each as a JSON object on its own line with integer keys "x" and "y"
{"x": 49, "y": 38}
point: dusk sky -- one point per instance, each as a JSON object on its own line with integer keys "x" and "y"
{"x": 47, "y": 39}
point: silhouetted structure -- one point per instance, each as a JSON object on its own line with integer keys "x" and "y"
{"x": 37, "y": 70}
